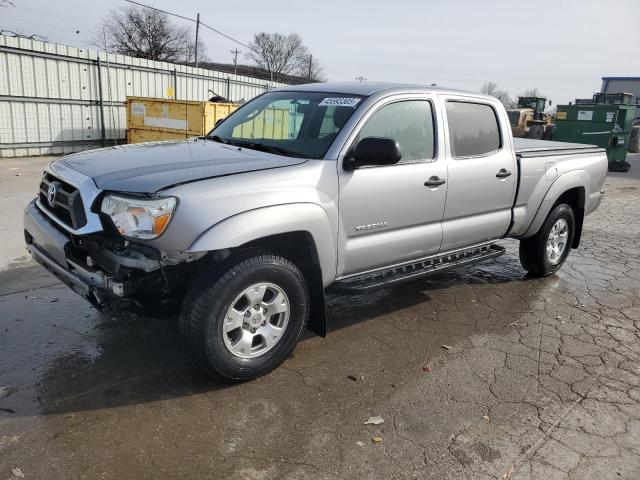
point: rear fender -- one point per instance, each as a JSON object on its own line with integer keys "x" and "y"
{"x": 565, "y": 182}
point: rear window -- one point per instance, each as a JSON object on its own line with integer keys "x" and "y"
{"x": 473, "y": 128}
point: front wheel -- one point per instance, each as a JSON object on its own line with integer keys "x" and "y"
{"x": 244, "y": 321}
{"x": 545, "y": 252}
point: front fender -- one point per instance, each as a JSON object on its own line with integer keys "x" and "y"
{"x": 565, "y": 182}
{"x": 264, "y": 222}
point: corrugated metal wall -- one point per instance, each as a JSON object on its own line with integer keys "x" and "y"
{"x": 50, "y": 94}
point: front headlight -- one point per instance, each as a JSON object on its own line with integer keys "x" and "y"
{"x": 139, "y": 218}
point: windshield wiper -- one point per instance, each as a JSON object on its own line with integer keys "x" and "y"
{"x": 217, "y": 138}
{"x": 268, "y": 148}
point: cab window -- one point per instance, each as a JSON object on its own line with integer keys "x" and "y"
{"x": 410, "y": 123}
{"x": 473, "y": 128}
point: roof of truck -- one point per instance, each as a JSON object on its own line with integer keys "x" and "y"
{"x": 369, "y": 88}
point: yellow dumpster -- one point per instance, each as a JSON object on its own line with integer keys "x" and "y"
{"x": 154, "y": 119}
{"x": 270, "y": 123}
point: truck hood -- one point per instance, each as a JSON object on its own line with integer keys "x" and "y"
{"x": 149, "y": 167}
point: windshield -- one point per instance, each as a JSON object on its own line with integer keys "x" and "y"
{"x": 296, "y": 124}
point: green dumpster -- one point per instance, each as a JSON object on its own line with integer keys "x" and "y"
{"x": 603, "y": 124}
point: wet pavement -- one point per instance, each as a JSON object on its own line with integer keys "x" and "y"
{"x": 541, "y": 380}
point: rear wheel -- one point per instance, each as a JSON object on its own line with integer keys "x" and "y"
{"x": 244, "y": 321}
{"x": 545, "y": 252}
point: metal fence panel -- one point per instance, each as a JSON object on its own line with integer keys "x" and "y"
{"x": 53, "y": 97}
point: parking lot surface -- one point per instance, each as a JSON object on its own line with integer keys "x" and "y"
{"x": 479, "y": 373}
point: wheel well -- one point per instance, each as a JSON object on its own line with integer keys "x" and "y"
{"x": 300, "y": 248}
{"x": 575, "y": 198}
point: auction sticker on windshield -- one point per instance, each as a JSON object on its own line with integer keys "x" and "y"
{"x": 339, "y": 102}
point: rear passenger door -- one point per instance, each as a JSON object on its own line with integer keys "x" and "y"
{"x": 482, "y": 173}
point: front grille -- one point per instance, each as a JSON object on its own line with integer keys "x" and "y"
{"x": 66, "y": 204}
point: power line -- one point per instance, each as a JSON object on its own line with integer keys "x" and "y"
{"x": 160, "y": 10}
{"x": 226, "y": 36}
{"x": 191, "y": 20}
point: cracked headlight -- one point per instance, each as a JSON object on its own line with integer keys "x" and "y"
{"x": 139, "y": 218}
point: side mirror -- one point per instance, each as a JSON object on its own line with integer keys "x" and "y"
{"x": 373, "y": 151}
{"x": 550, "y": 103}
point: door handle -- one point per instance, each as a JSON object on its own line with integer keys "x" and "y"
{"x": 434, "y": 182}
{"x": 503, "y": 173}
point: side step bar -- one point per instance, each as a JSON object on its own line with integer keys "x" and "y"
{"x": 411, "y": 271}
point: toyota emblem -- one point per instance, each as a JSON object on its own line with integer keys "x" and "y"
{"x": 51, "y": 193}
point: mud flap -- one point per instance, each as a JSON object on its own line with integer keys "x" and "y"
{"x": 318, "y": 314}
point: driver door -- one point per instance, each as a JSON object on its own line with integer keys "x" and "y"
{"x": 388, "y": 214}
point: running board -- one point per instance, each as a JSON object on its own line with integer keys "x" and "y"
{"x": 411, "y": 271}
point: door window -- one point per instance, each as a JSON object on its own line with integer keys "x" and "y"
{"x": 410, "y": 123}
{"x": 473, "y": 128}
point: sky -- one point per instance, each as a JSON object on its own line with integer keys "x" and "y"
{"x": 561, "y": 47}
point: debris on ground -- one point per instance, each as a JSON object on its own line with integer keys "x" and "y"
{"x": 360, "y": 444}
{"x": 5, "y": 391}
{"x": 426, "y": 368}
{"x": 17, "y": 473}
{"x": 508, "y": 473}
{"x": 446, "y": 347}
{"x": 377, "y": 420}
{"x": 352, "y": 378}
{"x": 487, "y": 418}
{"x": 376, "y": 439}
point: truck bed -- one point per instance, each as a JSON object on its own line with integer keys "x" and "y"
{"x": 526, "y": 147}
{"x": 540, "y": 164}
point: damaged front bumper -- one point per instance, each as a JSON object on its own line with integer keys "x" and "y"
{"x": 49, "y": 246}
{"x": 95, "y": 272}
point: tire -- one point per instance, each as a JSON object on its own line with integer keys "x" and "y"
{"x": 535, "y": 132}
{"x": 634, "y": 140}
{"x": 534, "y": 257}
{"x": 228, "y": 294}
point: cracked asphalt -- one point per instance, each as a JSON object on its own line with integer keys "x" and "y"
{"x": 540, "y": 380}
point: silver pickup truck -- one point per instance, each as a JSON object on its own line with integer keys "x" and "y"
{"x": 346, "y": 187}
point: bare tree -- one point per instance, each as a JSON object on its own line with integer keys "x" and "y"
{"x": 6, "y": 3}
{"x": 491, "y": 88}
{"x": 531, "y": 92}
{"x": 146, "y": 33}
{"x": 282, "y": 55}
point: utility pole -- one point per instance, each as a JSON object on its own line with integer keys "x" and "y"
{"x": 310, "y": 63}
{"x": 197, "y": 31}
{"x": 235, "y": 60}
{"x": 361, "y": 79}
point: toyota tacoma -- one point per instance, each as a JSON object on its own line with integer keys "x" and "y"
{"x": 304, "y": 189}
